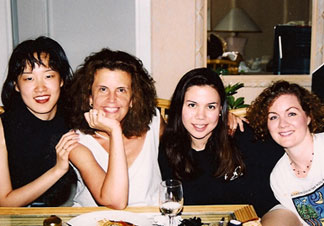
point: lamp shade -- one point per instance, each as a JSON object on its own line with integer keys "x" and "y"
{"x": 237, "y": 20}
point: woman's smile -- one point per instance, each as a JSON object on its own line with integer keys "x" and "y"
{"x": 200, "y": 127}
{"x": 200, "y": 112}
{"x": 42, "y": 99}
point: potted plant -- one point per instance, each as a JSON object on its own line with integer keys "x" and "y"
{"x": 232, "y": 102}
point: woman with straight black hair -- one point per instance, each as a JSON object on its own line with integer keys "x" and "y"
{"x": 34, "y": 165}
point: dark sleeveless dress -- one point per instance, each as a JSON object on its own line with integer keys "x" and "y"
{"x": 31, "y": 151}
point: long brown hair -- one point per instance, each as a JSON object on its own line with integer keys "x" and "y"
{"x": 176, "y": 141}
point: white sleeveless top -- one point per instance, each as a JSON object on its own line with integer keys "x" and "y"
{"x": 144, "y": 173}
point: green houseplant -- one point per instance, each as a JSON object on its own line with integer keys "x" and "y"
{"x": 232, "y": 102}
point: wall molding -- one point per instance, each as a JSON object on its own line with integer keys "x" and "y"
{"x": 5, "y": 37}
{"x": 201, "y": 34}
{"x": 143, "y": 32}
{"x": 253, "y": 81}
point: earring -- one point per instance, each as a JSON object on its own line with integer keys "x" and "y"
{"x": 220, "y": 114}
{"x": 91, "y": 105}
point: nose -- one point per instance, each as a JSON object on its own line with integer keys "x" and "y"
{"x": 200, "y": 113}
{"x": 111, "y": 97}
{"x": 283, "y": 122}
{"x": 40, "y": 85}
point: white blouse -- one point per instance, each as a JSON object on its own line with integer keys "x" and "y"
{"x": 144, "y": 173}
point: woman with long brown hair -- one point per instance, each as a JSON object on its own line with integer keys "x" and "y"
{"x": 196, "y": 146}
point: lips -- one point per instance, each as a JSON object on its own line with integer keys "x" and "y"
{"x": 199, "y": 127}
{"x": 42, "y": 99}
{"x": 286, "y": 133}
{"x": 111, "y": 109}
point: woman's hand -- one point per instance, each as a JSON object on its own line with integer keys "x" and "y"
{"x": 67, "y": 142}
{"x": 235, "y": 121}
{"x": 97, "y": 120}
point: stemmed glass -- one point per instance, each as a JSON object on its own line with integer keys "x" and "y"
{"x": 171, "y": 198}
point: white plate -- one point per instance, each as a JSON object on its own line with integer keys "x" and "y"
{"x": 92, "y": 218}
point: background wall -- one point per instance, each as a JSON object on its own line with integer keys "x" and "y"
{"x": 80, "y": 26}
{"x": 169, "y": 35}
{"x": 173, "y": 43}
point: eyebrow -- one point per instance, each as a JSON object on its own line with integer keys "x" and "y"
{"x": 288, "y": 109}
{"x": 30, "y": 72}
{"x": 197, "y": 102}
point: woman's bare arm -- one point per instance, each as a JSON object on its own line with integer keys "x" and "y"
{"x": 111, "y": 188}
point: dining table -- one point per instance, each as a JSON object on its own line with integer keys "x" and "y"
{"x": 209, "y": 214}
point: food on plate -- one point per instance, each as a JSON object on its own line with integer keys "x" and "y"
{"x": 196, "y": 221}
{"x": 105, "y": 222}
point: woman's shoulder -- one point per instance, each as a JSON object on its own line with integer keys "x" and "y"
{"x": 156, "y": 117}
{"x": 318, "y": 143}
{"x": 155, "y": 123}
{"x": 80, "y": 152}
{"x": 319, "y": 136}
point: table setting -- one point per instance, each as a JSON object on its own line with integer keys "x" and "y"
{"x": 170, "y": 212}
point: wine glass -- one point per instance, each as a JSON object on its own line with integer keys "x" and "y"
{"x": 171, "y": 198}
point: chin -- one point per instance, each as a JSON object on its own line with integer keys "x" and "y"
{"x": 199, "y": 137}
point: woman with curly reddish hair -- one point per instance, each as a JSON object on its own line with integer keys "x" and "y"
{"x": 293, "y": 117}
{"x": 113, "y": 109}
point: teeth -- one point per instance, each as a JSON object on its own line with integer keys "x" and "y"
{"x": 285, "y": 133}
{"x": 42, "y": 98}
{"x": 111, "y": 110}
{"x": 199, "y": 126}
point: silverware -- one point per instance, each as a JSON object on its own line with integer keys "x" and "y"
{"x": 221, "y": 222}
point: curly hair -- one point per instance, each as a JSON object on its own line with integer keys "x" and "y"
{"x": 257, "y": 112}
{"x": 176, "y": 140}
{"x": 139, "y": 116}
{"x": 30, "y": 52}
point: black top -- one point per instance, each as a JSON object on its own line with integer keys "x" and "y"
{"x": 251, "y": 188}
{"x": 31, "y": 151}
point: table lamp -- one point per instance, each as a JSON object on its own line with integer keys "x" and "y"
{"x": 236, "y": 20}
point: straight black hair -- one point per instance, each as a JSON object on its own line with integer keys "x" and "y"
{"x": 29, "y": 52}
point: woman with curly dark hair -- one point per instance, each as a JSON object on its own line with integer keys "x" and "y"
{"x": 293, "y": 116}
{"x": 113, "y": 108}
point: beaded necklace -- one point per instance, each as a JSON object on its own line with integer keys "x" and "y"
{"x": 292, "y": 164}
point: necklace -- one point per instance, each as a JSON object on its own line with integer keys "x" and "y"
{"x": 292, "y": 164}
{"x": 101, "y": 136}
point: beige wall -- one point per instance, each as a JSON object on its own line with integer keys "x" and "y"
{"x": 173, "y": 37}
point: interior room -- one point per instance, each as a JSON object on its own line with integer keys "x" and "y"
{"x": 254, "y": 24}
{"x": 169, "y": 36}
{"x": 129, "y": 163}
